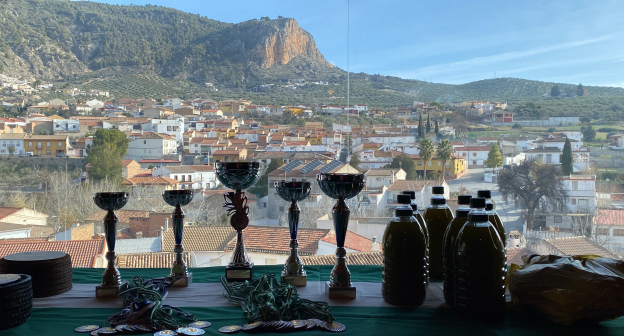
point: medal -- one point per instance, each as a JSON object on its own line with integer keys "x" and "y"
{"x": 333, "y": 326}
{"x": 299, "y": 324}
{"x": 87, "y": 328}
{"x": 229, "y": 329}
{"x": 121, "y": 328}
{"x": 191, "y": 331}
{"x": 107, "y": 331}
{"x": 165, "y": 333}
{"x": 313, "y": 323}
{"x": 252, "y": 325}
{"x": 200, "y": 324}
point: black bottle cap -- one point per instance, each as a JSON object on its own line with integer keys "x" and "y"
{"x": 463, "y": 199}
{"x": 489, "y": 206}
{"x": 484, "y": 193}
{"x": 438, "y": 201}
{"x": 404, "y": 211}
{"x": 437, "y": 190}
{"x": 411, "y": 193}
{"x": 404, "y": 199}
{"x": 414, "y": 206}
{"x": 477, "y": 202}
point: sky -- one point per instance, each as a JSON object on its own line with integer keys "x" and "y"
{"x": 455, "y": 42}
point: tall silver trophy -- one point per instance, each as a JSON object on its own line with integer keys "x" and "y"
{"x": 179, "y": 276}
{"x": 293, "y": 192}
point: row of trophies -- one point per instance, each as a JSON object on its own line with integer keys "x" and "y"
{"x": 239, "y": 176}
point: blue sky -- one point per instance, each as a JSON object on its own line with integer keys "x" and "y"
{"x": 452, "y": 41}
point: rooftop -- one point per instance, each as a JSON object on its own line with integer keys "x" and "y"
{"x": 580, "y": 246}
{"x": 352, "y": 258}
{"x": 202, "y": 238}
{"x": 271, "y": 239}
{"x": 82, "y": 252}
{"x": 150, "y": 260}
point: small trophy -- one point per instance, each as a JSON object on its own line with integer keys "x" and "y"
{"x": 341, "y": 187}
{"x": 111, "y": 280}
{"x": 293, "y": 272}
{"x": 238, "y": 176}
{"x": 179, "y": 277}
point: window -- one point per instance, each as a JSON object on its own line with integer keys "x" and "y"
{"x": 183, "y": 178}
{"x": 38, "y": 144}
{"x": 573, "y": 201}
{"x": 48, "y": 152}
{"x": 447, "y": 165}
{"x": 419, "y": 163}
{"x": 189, "y": 178}
{"x": 557, "y": 219}
{"x": 429, "y": 163}
{"x": 30, "y": 144}
{"x": 602, "y": 232}
{"x": 618, "y": 232}
{"x": 48, "y": 144}
{"x": 60, "y": 144}
{"x": 144, "y": 142}
{"x": 474, "y": 162}
{"x": 195, "y": 145}
{"x": 548, "y": 158}
{"x": 574, "y": 185}
{"x": 474, "y": 154}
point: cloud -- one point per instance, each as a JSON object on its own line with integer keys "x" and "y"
{"x": 484, "y": 60}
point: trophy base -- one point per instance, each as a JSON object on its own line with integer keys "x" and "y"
{"x": 238, "y": 273}
{"x": 180, "y": 280}
{"x": 339, "y": 292}
{"x": 110, "y": 292}
{"x": 298, "y": 280}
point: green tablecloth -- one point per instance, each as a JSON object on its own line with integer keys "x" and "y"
{"x": 392, "y": 321}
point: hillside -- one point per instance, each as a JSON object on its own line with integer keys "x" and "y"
{"x": 153, "y": 51}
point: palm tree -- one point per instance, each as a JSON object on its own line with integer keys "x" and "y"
{"x": 445, "y": 153}
{"x": 427, "y": 149}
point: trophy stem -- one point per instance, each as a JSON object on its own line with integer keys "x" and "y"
{"x": 240, "y": 257}
{"x": 340, "y": 275}
{"x": 111, "y": 275}
{"x": 179, "y": 266}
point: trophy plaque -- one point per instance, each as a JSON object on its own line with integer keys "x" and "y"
{"x": 293, "y": 192}
{"x": 340, "y": 187}
{"x": 238, "y": 176}
{"x": 111, "y": 280}
{"x": 179, "y": 276}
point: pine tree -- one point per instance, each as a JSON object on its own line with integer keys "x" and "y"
{"x": 580, "y": 90}
{"x": 494, "y": 157}
{"x": 420, "y": 129}
{"x": 555, "y": 91}
{"x": 437, "y": 127}
{"x": 566, "y": 159}
{"x": 428, "y": 124}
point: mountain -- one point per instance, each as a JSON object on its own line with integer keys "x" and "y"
{"x": 154, "y": 51}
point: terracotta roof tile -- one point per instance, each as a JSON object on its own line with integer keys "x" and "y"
{"x": 353, "y": 241}
{"x": 515, "y": 254}
{"x": 353, "y": 258}
{"x": 201, "y": 238}
{"x": 473, "y": 149}
{"x": 149, "y": 180}
{"x": 150, "y": 260}
{"x": 270, "y": 239}
{"x": 580, "y": 246}
{"x": 609, "y": 217}
{"x": 6, "y": 211}
{"x": 82, "y": 252}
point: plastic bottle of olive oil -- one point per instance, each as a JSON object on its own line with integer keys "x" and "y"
{"x": 437, "y": 216}
{"x": 493, "y": 216}
{"x": 450, "y": 237}
{"x": 480, "y": 260}
{"x": 404, "y": 271}
{"x": 421, "y": 221}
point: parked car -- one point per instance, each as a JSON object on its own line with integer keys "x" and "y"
{"x": 27, "y": 154}
{"x": 62, "y": 155}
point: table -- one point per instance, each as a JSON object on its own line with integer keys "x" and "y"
{"x": 366, "y": 315}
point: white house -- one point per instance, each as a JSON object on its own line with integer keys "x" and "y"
{"x": 475, "y": 156}
{"x": 608, "y": 229}
{"x": 558, "y": 142}
{"x": 552, "y": 155}
{"x": 196, "y": 177}
{"x": 151, "y": 146}
{"x": 581, "y": 205}
{"x": 94, "y": 103}
{"x": 173, "y": 127}
{"x": 15, "y": 140}
{"x": 65, "y": 125}
{"x": 378, "y": 178}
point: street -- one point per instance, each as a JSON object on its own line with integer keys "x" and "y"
{"x": 473, "y": 182}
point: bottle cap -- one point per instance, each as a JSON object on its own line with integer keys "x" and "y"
{"x": 437, "y": 190}
{"x": 414, "y": 206}
{"x": 438, "y": 201}
{"x": 411, "y": 193}
{"x": 463, "y": 199}
{"x": 477, "y": 202}
{"x": 489, "y": 206}
{"x": 404, "y": 211}
{"x": 484, "y": 193}
{"x": 404, "y": 199}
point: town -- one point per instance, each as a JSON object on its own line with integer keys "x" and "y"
{"x": 171, "y": 143}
